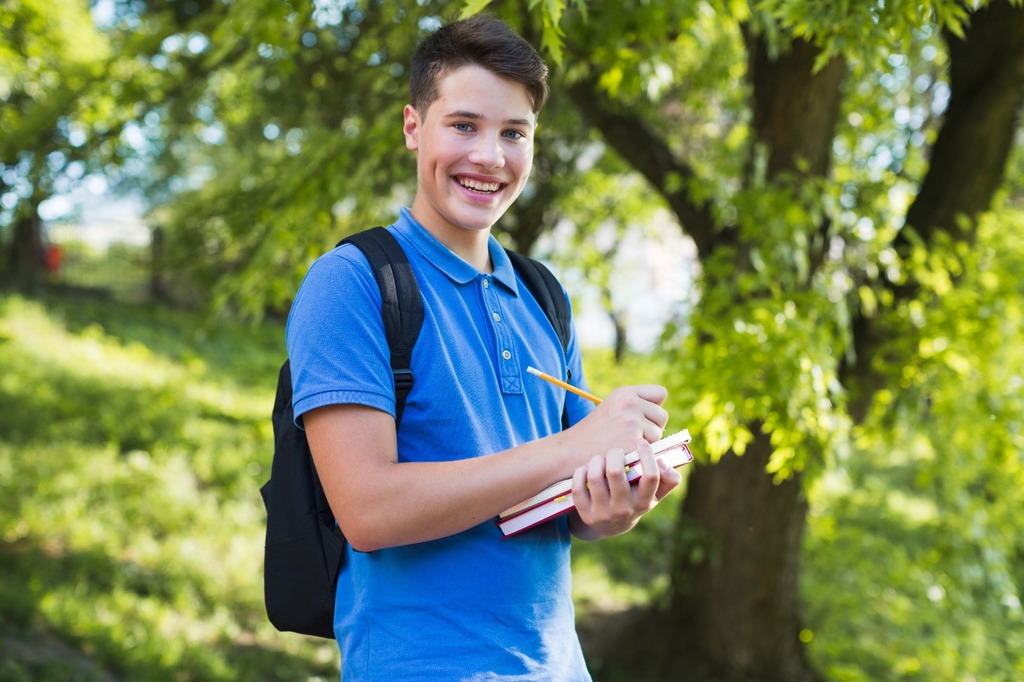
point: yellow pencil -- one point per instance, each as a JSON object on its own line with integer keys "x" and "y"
{"x": 569, "y": 387}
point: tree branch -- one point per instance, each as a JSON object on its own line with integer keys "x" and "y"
{"x": 647, "y": 152}
{"x": 968, "y": 160}
{"x": 967, "y": 166}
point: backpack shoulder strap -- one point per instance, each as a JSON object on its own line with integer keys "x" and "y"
{"x": 402, "y": 309}
{"x": 546, "y": 289}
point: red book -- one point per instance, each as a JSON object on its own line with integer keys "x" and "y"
{"x": 556, "y": 499}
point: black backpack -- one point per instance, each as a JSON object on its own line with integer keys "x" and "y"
{"x": 304, "y": 547}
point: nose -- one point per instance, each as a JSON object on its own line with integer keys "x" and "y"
{"x": 487, "y": 151}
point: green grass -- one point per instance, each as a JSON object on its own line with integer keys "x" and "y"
{"x": 134, "y": 444}
{"x": 134, "y": 440}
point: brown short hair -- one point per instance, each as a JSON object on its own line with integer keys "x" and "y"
{"x": 481, "y": 40}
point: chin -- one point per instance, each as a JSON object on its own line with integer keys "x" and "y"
{"x": 476, "y": 222}
{"x": 473, "y": 225}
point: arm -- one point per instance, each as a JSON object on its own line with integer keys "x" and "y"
{"x": 380, "y": 502}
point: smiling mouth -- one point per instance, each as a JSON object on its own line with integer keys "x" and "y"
{"x": 478, "y": 186}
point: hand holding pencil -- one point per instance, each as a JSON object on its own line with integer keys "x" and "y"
{"x": 627, "y": 414}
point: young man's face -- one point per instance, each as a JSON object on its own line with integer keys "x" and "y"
{"x": 474, "y": 150}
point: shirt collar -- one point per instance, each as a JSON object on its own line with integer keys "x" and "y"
{"x": 445, "y": 260}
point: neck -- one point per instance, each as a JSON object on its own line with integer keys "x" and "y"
{"x": 473, "y": 250}
{"x": 469, "y": 245}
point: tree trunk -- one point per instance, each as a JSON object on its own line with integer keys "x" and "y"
{"x": 158, "y": 289}
{"x": 734, "y": 611}
{"x": 621, "y": 345}
{"x": 26, "y": 258}
{"x": 734, "y": 605}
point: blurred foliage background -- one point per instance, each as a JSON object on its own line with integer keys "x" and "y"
{"x": 822, "y": 201}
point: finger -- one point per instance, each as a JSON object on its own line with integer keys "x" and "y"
{"x": 580, "y": 490}
{"x": 650, "y": 404}
{"x": 597, "y": 484}
{"x": 647, "y": 398}
{"x": 656, "y": 414}
{"x": 649, "y": 482}
{"x": 652, "y": 433}
{"x": 669, "y": 479}
{"x": 615, "y": 465}
{"x": 615, "y": 476}
{"x": 653, "y": 393}
{"x": 655, "y": 419}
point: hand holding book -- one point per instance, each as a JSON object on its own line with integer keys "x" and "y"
{"x": 557, "y": 498}
{"x": 607, "y": 503}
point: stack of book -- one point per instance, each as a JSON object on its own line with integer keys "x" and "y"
{"x": 557, "y": 499}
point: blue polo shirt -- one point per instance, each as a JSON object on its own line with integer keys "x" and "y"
{"x": 473, "y": 606}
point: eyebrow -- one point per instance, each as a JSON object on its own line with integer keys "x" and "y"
{"x": 476, "y": 116}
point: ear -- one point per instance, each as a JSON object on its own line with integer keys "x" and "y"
{"x": 411, "y": 127}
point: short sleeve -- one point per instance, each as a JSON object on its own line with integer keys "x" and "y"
{"x": 335, "y": 337}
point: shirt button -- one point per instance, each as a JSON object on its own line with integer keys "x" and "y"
{"x": 487, "y": 283}
{"x": 505, "y": 354}
{"x": 496, "y": 316}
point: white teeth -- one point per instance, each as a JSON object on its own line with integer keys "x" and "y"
{"x": 479, "y": 186}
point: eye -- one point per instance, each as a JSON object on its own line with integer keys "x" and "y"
{"x": 463, "y": 127}
{"x": 514, "y": 134}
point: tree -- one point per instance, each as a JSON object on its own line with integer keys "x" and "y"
{"x": 273, "y": 129}
{"x": 50, "y": 55}
{"x": 771, "y": 245}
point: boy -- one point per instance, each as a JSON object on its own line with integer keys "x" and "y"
{"x": 430, "y": 589}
